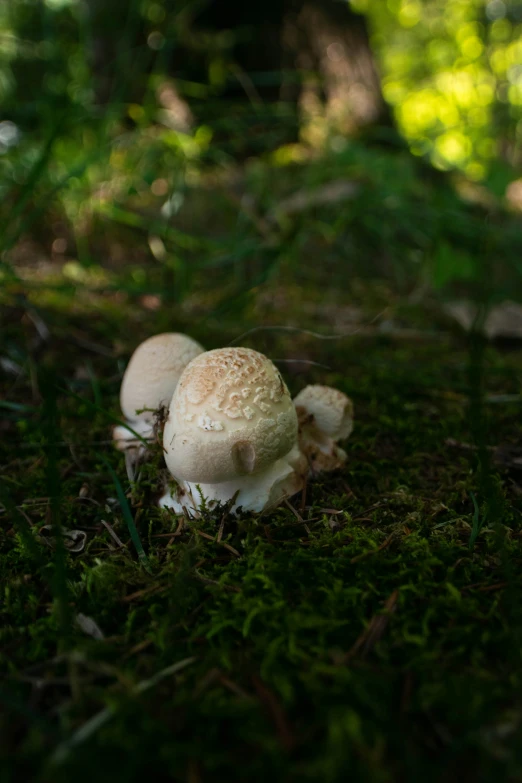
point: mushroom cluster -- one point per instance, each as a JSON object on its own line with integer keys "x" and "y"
{"x": 233, "y": 433}
{"x": 232, "y": 427}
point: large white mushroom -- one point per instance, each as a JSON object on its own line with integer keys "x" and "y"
{"x": 325, "y": 417}
{"x": 148, "y": 384}
{"x": 232, "y": 429}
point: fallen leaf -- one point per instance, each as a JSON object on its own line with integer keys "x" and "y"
{"x": 88, "y": 626}
{"x": 504, "y": 320}
{"x": 74, "y": 540}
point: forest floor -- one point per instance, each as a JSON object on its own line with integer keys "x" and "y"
{"x": 372, "y": 626}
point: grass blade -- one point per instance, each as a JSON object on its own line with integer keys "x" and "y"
{"x": 89, "y": 728}
{"x": 127, "y": 515}
{"x": 99, "y": 409}
{"x": 477, "y": 522}
{"x": 50, "y": 427}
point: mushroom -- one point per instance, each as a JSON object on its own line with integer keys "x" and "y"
{"x": 232, "y": 430}
{"x": 325, "y": 416}
{"x": 148, "y": 384}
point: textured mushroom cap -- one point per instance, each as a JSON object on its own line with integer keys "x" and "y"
{"x": 153, "y": 373}
{"x": 231, "y": 415}
{"x": 332, "y": 410}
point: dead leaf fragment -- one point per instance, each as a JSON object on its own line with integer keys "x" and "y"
{"x": 504, "y": 320}
{"x": 73, "y": 540}
{"x": 89, "y": 626}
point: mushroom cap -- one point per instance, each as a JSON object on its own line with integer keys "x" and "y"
{"x": 153, "y": 373}
{"x": 332, "y": 410}
{"x": 231, "y": 415}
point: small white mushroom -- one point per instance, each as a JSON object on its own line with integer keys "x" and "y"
{"x": 148, "y": 384}
{"x": 232, "y": 428}
{"x": 325, "y": 417}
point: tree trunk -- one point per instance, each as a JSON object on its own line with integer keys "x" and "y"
{"x": 288, "y": 48}
{"x": 281, "y": 62}
{"x": 329, "y": 42}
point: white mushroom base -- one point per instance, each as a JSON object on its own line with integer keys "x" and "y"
{"x": 132, "y": 447}
{"x": 125, "y": 439}
{"x": 256, "y": 491}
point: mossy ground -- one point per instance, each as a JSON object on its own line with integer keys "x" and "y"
{"x": 356, "y": 633}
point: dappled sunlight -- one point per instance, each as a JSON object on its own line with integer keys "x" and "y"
{"x": 447, "y": 67}
{"x": 138, "y": 163}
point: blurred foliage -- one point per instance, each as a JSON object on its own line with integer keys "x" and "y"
{"x": 452, "y": 69}
{"x": 101, "y": 159}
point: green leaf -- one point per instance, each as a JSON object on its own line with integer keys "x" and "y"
{"x": 477, "y": 522}
{"x": 450, "y": 265}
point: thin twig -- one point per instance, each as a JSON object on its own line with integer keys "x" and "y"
{"x": 89, "y": 728}
{"x": 307, "y": 332}
{"x": 231, "y": 549}
{"x": 221, "y": 529}
{"x": 204, "y": 535}
{"x": 207, "y": 581}
{"x": 276, "y": 711}
{"x": 293, "y": 510}
{"x": 112, "y": 533}
{"x": 138, "y": 648}
{"x": 141, "y": 593}
{"x": 480, "y": 587}
{"x": 232, "y": 686}
{"x": 308, "y": 362}
{"x": 374, "y": 630}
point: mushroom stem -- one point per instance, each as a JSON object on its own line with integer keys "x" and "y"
{"x": 147, "y": 387}
{"x": 125, "y": 440}
{"x": 231, "y": 428}
{"x": 255, "y": 491}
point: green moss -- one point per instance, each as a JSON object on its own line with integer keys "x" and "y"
{"x": 279, "y": 601}
{"x": 356, "y": 635}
